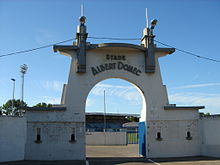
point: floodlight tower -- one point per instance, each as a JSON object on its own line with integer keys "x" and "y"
{"x": 23, "y": 70}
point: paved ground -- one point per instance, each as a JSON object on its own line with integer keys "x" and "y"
{"x": 126, "y": 151}
{"x": 128, "y": 155}
{"x": 178, "y": 161}
{"x": 121, "y": 155}
{"x": 189, "y": 161}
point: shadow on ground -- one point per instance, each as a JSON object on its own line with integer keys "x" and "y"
{"x": 126, "y": 161}
{"x": 186, "y": 159}
{"x": 116, "y": 160}
{"x": 35, "y": 162}
{"x": 164, "y": 161}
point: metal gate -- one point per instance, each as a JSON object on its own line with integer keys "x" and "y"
{"x": 132, "y": 136}
{"x": 142, "y": 138}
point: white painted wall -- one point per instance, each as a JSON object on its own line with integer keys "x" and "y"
{"x": 106, "y": 138}
{"x": 12, "y": 138}
{"x": 153, "y": 91}
{"x": 79, "y": 85}
{"x": 210, "y": 132}
{"x": 56, "y": 132}
{"x": 174, "y": 142}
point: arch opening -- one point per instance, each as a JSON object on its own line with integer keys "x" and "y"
{"x": 113, "y": 110}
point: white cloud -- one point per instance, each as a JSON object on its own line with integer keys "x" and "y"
{"x": 196, "y": 86}
{"x": 46, "y": 99}
{"x": 52, "y": 85}
{"x": 89, "y": 102}
{"x": 210, "y": 101}
{"x": 50, "y": 99}
{"x": 128, "y": 93}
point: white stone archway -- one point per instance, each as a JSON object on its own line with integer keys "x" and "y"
{"x": 114, "y": 61}
{"x": 62, "y": 129}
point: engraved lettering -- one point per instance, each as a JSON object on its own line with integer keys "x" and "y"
{"x": 94, "y": 71}
{"x": 113, "y": 66}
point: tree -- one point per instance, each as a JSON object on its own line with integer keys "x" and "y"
{"x": 1, "y": 112}
{"x": 7, "y": 107}
{"x": 133, "y": 119}
{"x": 204, "y": 114}
{"x": 43, "y": 105}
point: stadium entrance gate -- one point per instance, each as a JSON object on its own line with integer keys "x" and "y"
{"x": 92, "y": 63}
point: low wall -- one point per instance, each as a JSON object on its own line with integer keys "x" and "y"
{"x": 173, "y": 141}
{"x": 106, "y": 138}
{"x": 12, "y": 138}
{"x": 210, "y": 126}
{"x": 51, "y": 135}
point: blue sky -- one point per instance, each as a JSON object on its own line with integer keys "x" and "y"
{"x": 189, "y": 25}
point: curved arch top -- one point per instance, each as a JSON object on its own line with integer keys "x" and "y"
{"x": 136, "y": 85}
{"x": 126, "y": 45}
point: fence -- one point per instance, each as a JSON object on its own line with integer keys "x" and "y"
{"x": 132, "y": 137}
{"x": 106, "y": 138}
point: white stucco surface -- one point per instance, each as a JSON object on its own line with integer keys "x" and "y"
{"x": 210, "y": 133}
{"x": 55, "y": 141}
{"x": 12, "y": 138}
{"x": 56, "y": 126}
{"x": 153, "y": 91}
{"x": 173, "y": 142}
{"x": 18, "y": 137}
{"x": 106, "y": 138}
{"x": 55, "y": 130}
{"x": 150, "y": 85}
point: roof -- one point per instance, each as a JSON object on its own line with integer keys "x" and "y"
{"x": 174, "y": 107}
{"x": 104, "y": 45}
{"x": 63, "y": 108}
{"x": 112, "y": 114}
{"x": 130, "y": 124}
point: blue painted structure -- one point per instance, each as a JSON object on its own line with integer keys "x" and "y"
{"x": 142, "y": 138}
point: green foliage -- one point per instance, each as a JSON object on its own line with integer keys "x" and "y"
{"x": 1, "y": 111}
{"x": 7, "y": 107}
{"x": 205, "y": 114}
{"x": 43, "y": 105}
{"x": 133, "y": 119}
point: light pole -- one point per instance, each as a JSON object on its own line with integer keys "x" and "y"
{"x": 104, "y": 114}
{"x": 23, "y": 70}
{"x": 104, "y": 130}
{"x": 13, "y": 95}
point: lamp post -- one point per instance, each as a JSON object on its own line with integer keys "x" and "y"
{"x": 104, "y": 126}
{"x": 13, "y": 95}
{"x": 23, "y": 70}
